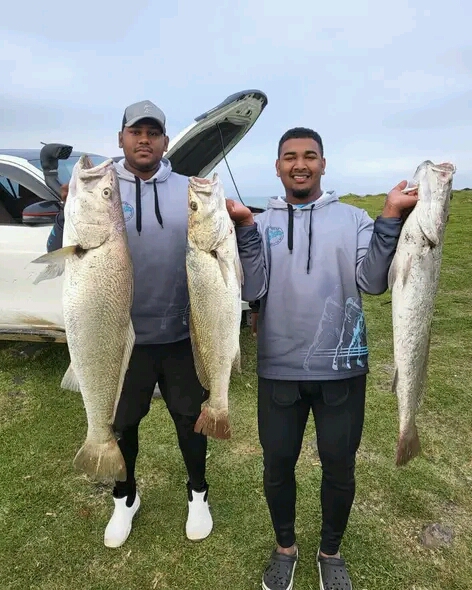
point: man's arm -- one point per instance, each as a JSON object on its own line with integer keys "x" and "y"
{"x": 377, "y": 241}
{"x": 55, "y": 237}
{"x": 251, "y": 251}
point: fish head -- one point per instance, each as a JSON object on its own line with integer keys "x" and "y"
{"x": 93, "y": 205}
{"x": 208, "y": 218}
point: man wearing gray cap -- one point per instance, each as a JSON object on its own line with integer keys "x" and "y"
{"x": 154, "y": 202}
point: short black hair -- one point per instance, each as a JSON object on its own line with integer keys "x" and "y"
{"x": 300, "y": 133}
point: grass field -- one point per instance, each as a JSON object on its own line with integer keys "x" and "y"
{"x": 52, "y": 519}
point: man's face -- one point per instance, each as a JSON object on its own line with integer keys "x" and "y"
{"x": 300, "y": 166}
{"x": 143, "y": 144}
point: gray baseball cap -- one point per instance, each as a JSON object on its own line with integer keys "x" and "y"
{"x": 143, "y": 110}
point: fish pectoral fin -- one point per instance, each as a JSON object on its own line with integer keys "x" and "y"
{"x": 399, "y": 272}
{"x": 55, "y": 261}
{"x": 128, "y": 349}
{"x": 392, "y": 271}
{"x": 70, "y": 381}
{"x": 239, "y": 271}
{"x": 223, "y": 264}
{"x": 426, "y": 225}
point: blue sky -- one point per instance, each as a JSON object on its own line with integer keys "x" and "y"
{"x": 385, "y": 86}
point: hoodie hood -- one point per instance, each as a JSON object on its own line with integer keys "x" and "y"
{"x": 162, "y": 174}
{"x": 280, "y": 203}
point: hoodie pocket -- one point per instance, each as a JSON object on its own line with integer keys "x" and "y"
{"x": 336, "y": 392}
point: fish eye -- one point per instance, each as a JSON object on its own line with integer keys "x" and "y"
{"x": 106, "y": 193}
{"x": 193, "y": 205}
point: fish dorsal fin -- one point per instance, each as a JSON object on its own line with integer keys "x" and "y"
{"x": 398, "y": 271}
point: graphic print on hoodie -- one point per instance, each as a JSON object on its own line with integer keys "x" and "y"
{"x": 307, "y": 265}
{"x": 156, "y": 214}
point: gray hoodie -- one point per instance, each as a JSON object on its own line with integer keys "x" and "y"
{"x": 308, "y": 266}
{"x": 155, "y": 212}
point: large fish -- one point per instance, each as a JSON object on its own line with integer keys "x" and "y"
{"x": 214, "y": 276}
{"x": 97, "y": 299}
{"x": 413, "y": 280}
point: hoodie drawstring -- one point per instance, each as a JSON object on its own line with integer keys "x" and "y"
{"x": 309, "y": 242}
{"x": 138, "y": 205}
{"x": 156, "y": 205}
{"x": 290, "y": 234}
{"x": 290, "y": 227}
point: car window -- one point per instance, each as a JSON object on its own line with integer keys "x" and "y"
{"x": 64, "y": 170}
{"x": 8, "y": 185}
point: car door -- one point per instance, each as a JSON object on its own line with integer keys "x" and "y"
{"x": 201, "y": 146}
{"x": 24, "y": 306}
{"x": 196, "y": 151}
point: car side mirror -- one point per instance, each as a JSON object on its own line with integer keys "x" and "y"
{"x": 42, "y": 213}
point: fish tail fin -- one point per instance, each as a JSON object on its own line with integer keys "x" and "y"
{"x": 408, "y": 446}
{"x": 214, "y": 423}
{"x": 103, "y": 462}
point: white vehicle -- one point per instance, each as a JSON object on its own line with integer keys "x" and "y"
{"x": 29, "y": 205}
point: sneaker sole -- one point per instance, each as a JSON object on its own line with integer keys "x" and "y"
{"x": 200, "y": 538}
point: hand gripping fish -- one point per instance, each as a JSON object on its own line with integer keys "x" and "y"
{"x": 413, "y": 280}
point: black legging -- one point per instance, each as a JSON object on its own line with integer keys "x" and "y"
{"x": 172, "y": 366}
{"x": 193, "y": 446}
{"x": 338, "y": 409}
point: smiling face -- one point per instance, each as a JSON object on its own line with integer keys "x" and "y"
{"x": 143, "y": 145}
{"x": 300, "y": 166}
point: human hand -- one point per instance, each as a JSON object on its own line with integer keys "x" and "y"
{"x": 240, "y": 214}
{"x": 64, "y": 192}
{"x": 398, "y": 203}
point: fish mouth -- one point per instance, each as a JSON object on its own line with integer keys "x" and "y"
{"x": 445, "y": 170}
{"x": 86, "y": 165}
{"x": 444, "y": 167}
{"x": 204, "y": 185}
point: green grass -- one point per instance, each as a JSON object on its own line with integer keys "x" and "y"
{"x": 52, "y": 519}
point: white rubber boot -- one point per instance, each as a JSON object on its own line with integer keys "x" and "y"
{"x": 199, "y": 521}
{"x": 119, "y": 525}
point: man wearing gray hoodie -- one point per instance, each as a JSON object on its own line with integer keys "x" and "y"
{"x": 306, "y": 260}
{"x": 154, "y": 202}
